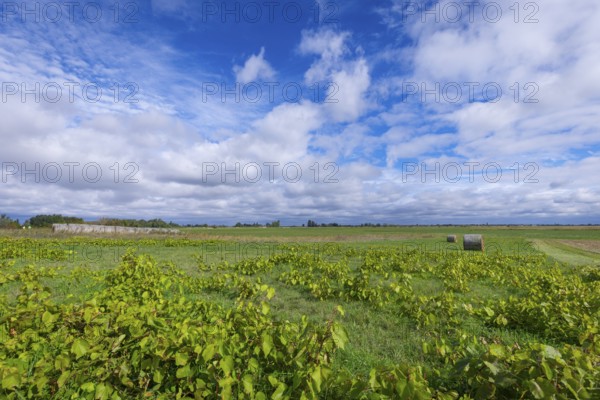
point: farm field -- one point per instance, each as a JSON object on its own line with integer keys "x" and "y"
{"x": 250, "y": 313}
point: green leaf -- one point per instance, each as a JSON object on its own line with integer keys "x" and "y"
{"x": 273, "y": 380}
{"x": 547, "y": 370}
{"x": 267, "y": 343}
{"x": 227, "y": 365}
{"x": 181, "y": 359}
{"x": 63, "y": 378}
{"x": 157, "y": 376}
{"x": 253, "y": 365}
{"x": 48, "y": 318}
{"x": 226, "y": 387}
{"x": 339, "y": 335}
{"x": 11, "y": 381}
{"x": 208, "y": 353}
{"x": 492, "y": 367}
{"x": 184, "y": 372}
{"x": 248, "y": 384}
{"x": 88, "y": 387}
{"x": 41, "y": 383}
{"x": 497, "y": 350}
{"x": 103, "y": 391}
{"x": 573, "y": 386}
{"x": 316, "y": 378}
{"x": 551, "y": 353}
{"x": 535, "y": 389}
{"x": 62, "y": 362}
{"x": 265, "y": 308}
{"x": 80, "y": 347}
{"x": 278, "y": 394}
{"x": 88, "y": 315}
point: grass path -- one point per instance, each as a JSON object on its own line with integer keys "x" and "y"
{"x": 565, "y": 253}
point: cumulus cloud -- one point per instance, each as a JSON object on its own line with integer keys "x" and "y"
{"x": 329, "y": 45}
{"x": 347, "y": 77}
{"x": 545, "y": 71}
{"x": 255, "y": 68}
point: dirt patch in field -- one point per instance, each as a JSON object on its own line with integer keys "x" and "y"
{"x": 587, "y": 245}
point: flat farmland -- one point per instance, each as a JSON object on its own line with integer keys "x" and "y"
{"x": 275, "y": 313}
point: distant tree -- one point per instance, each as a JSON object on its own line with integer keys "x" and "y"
{"x": 8, "y": 223}
{"x": 137, "y": 223}
{"x": 311, "y": 223}
{"x": 274, "y": 224}
{"x": 245, "y": 225}
{"x": 45, "y": 221}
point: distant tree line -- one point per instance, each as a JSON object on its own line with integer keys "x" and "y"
{"x": 203, "y": 226}
{"x": 137, "y": 223}
{"x": 245, "y": 225}
{"x": 274, "y": 224}
{"x": 46, "y": 221}
{"x": 8, "y": 223}
{"x": 313, "y": 224}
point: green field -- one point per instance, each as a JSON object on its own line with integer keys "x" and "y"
{"x": 373, "y": 312}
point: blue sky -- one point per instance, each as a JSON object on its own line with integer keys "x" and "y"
{"x": 218, "y": 112}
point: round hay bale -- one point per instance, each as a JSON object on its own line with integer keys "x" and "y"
{"x": 473, "y": 242}
{"x": 451, "y": 238}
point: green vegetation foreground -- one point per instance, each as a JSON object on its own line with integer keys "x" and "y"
{"x": 186, "y": 318}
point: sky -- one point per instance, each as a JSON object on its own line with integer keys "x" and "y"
{"x": 350, "y": 112}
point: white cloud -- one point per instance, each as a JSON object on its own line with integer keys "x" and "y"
{"x": 347, "y": 80}
{"x": 327, "y": 44}
{"x": 354, "y": 142}
{"x": 255, "y": 68}
{"x": 346, "y": 97}
{"x": 417, "y": 147}
{"x": 552, "y": 62}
